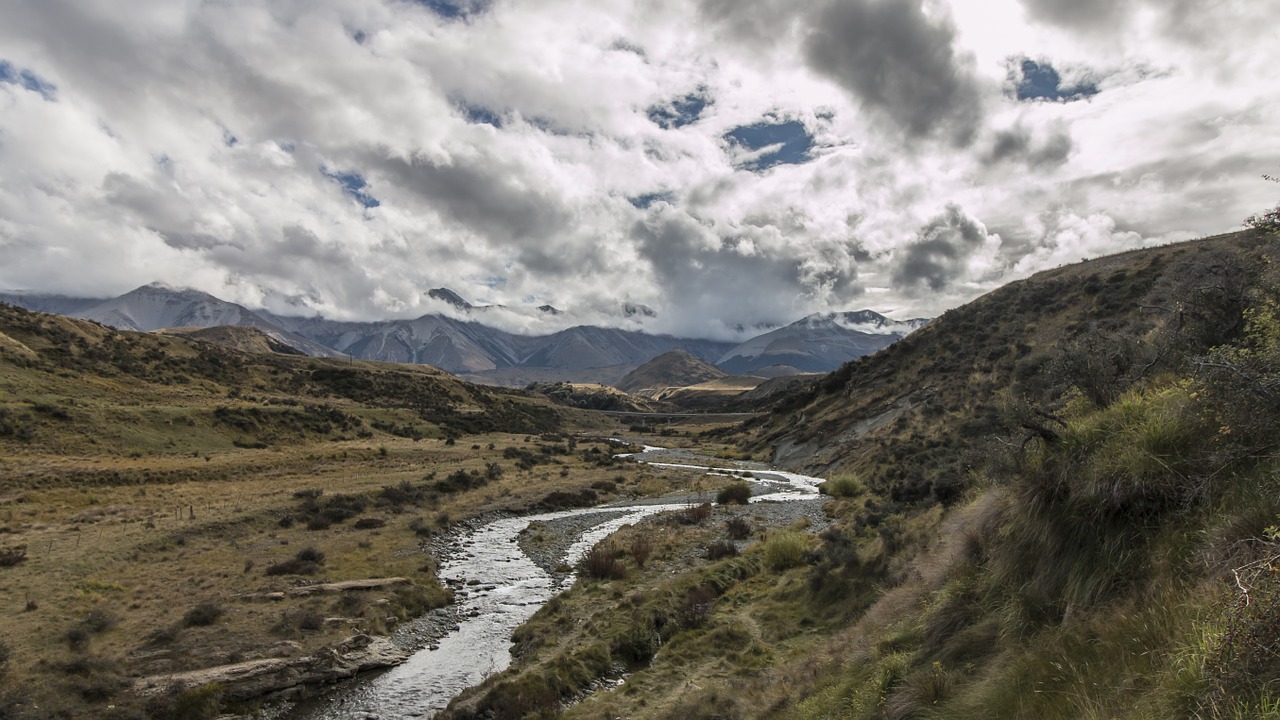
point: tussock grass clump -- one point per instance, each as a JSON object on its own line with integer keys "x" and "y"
{"x": 306, "y": 562}
{"x": 641, "y": 549}
{"x": 784, "y": 549}
{"x": 206, "y": 613}
{"x": 738, "y": 493}
{"x": 11, "y": 556}
{"x": 721, "y": 549}
{"x": 601, "y": 563}
{"x": 738, "y": 528}
{"x": 695, "y": 514}
{"x": 844, "y": 485}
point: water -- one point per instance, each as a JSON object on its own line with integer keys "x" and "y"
{"x": 503, "y": 589}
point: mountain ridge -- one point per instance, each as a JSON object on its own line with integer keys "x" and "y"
{"x": 468, "y": 345}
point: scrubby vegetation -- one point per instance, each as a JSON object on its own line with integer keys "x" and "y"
{"x": 1072, "y": 513}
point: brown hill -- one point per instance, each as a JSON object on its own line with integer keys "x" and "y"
{"x": 929, "y": 402}
{"x": 672, "y": 369}
{"x": 235, "y": 337}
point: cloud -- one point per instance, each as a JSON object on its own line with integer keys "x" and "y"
{"x": 898, "y": 60}
{"x": 725, "y": 163}
{"x": 1017, "y": 144}
{"x": 951, "y": 247}
{"x": 1092, "y": 15}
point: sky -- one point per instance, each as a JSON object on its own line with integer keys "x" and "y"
{"x": 706, "y": 168}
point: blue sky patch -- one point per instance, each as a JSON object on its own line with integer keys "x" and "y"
{"x": 352, "y": 184}
{"x": 790, "y": 140}
{"x": 455, "y": 9}
{"x": 480, "y": 115}
{"x": 1040, "y": 81}
{"x": 643, "y": 202}
{"x": 13, "y": 75}
{"x": 679, "y": 112}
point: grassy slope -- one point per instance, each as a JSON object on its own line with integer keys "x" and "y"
{"x": 146, "y": 474}
{"x": 1119, "y": 559}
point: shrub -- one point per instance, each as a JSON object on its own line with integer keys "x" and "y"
{"x": 721, "y": 549}
{"x": 206, "y": 613}
{"x": 306, "y": 562}
{"x": 202, "y": 703}
{"x": 698, "y": 603}
{"x": 99, "y": 621}
{"x": 641, "y": 549}
{"x": 845, "y": 485}
{"x": 695, "y": 514}
{"x": 11, "y": 556}
{"x": 319, "y": 523}
{"x": 738, "y": 528}
{"x": 738, "y": 493}
{"x": 784, "y": 549}
{"x": 308, "y": 619}
{"x": 369, "y": 523}
{"x": 601, "y": 562}
{"x": 77, "y": 637}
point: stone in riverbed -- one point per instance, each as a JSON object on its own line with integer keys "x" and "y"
{"x": 254, "y": 678}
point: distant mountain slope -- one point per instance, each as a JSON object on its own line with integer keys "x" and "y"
{"x": 817, "y": 343}
{"x": 156, "y": 307}
{"x": 676, "y": 368}
{"x": 466, "y": 344}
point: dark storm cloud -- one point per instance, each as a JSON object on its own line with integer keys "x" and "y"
{"x": 939, "y": 255}
{"x": 894, "y": 58}
{"x": 485, "y": 195}
{"x": 1016, "y": 144}
{"x": 1080, "y": 14}
{"x": 191, "y": 240}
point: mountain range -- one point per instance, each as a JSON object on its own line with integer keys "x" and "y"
{"x": 467, "y": 345}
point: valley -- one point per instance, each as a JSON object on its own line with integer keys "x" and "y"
{"x": 1058, "y": 500}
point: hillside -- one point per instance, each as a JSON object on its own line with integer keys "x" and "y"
{"x": 1055, "y": 502}
{"x": 170, "y": 505}
{"x": 1100, "y": 324}
{"x": 671, "y": 369}
{"x": 235, "y": 337}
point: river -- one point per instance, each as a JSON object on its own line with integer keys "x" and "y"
{"x": 500, "y": 588}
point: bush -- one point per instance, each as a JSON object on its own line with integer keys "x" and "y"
{"x": 695, "y": 514}
{"x": 11, "y": 556}
{"x": 845, "y": 485}
{"x": 738, "y": 493}
{"x": 369, "y": 523}
{"x": 206, "y": 613}
{"x": 784, "y": 549}
{"x": 601, "y": 562}
{"x": 641, "y": 549}
{"x": 738, "y": 528}
{"x": 721, "y": 549}
{"x": 306, "y": 562}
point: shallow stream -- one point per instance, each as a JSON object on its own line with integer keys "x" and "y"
{"x": 499, "y": 587}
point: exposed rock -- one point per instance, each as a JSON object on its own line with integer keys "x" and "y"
{"x": 254, "y": 678}
{"x": 344, "y": 586}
